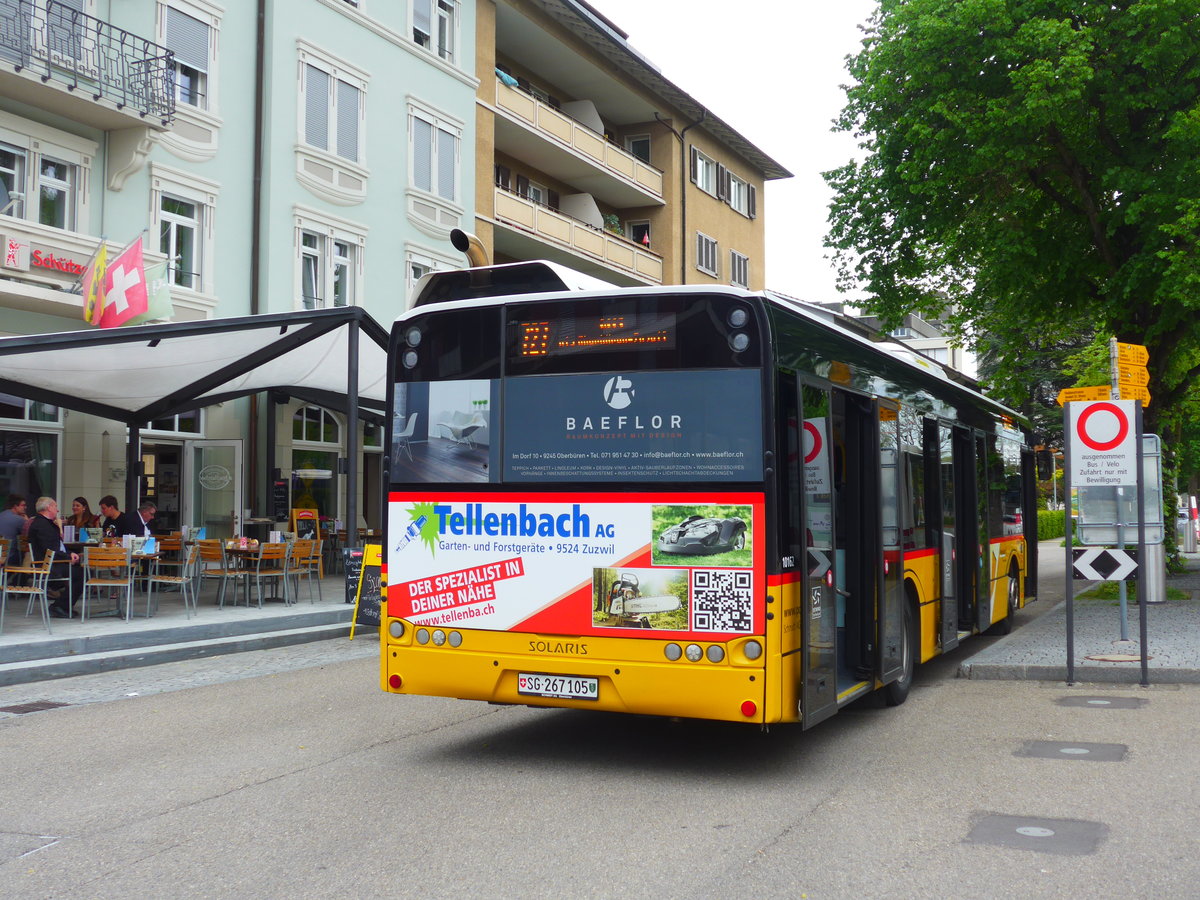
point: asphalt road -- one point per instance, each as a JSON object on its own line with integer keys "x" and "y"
{"x": 313, "y": 783}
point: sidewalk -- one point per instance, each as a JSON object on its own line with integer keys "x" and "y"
{"x": 1038, "y": 649}
{"x": 28, "y": 653}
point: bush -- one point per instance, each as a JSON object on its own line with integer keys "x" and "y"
{"x": 1051, "y": 524}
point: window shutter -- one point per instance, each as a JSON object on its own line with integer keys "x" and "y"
{"x": 316, "y": 107}
{"x": 552, "y": 199}
{"x": 347, "y": 121}
{"x": 522, "y": 185}
{"x": 422, "y": 139}
{"x": 447, "y": 164}
{"x": 188, "y": 38}
{"x": 722, "y": 182}
{"x": 422, "y": 16}
{"x": 753, "y": 200}
{"x": 503, "y": 176}
{"x": 695, "y": 163}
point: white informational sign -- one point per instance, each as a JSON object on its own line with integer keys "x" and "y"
{"x": 1103, "y": 443}
{"x": 815, "y": 447}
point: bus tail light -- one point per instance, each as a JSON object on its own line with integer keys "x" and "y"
{"x": 752, "y": 649}
{"x": 394, "y": 682}
{"x": 396, "y": 628}
{"x": 749, "y": 707}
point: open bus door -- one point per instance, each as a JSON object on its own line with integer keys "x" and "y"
{"x": 890, "y": 613}
{"x": 967, "y": 516}
{"x": 942, "y": 503}
{"x": 819, "y": 608}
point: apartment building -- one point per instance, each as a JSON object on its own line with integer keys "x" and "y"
{"x": 588, "y": 156}
{"x": 274, "y": 156}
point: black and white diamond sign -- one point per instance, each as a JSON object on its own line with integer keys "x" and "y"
{"x": 1104, "y": 564}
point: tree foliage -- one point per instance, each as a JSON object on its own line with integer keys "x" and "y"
{"x": 1030, "y": 165}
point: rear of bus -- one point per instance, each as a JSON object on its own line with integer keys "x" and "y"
{"x": 576, "y": 505}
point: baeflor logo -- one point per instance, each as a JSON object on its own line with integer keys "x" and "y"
{"x": 618, "y": 392}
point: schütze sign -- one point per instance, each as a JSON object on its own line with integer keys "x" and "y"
{"x": 1103, "y": 443}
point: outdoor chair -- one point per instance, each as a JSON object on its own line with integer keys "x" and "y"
{"x": 180, "y": 575}
{"x": 215, "y": 565}
{"x": 107, "y": 571}
{"x": 35, "y": 590}
{"x": 306, "y": 563}
{"x": 270, "y": 565}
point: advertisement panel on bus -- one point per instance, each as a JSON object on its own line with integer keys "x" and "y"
{"x": 605, "y": 564}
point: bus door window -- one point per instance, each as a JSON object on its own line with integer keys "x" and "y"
{"x": 820, "y": 610}
{"x": 856, "y": 532}
{"x": 890, "y": 612}
{"x": 940, "y": 453}
{"x": 966, "y": 515}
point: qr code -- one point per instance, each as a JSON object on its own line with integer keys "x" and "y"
{"x": 722, "y": 601}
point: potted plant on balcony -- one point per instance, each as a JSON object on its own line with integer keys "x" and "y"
{"x": 612, "y": 222}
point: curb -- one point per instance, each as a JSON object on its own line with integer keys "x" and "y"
{"x": 1083, "y": 674}
{"x": 47, "y": 669}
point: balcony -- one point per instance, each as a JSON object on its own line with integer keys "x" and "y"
{"x": 83, "y": 68}
{"x": 538, "y": 232}
{"x": 572, "y": 152}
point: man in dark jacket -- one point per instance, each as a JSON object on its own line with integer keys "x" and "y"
{"x": 117, "y": 523}
{"x": 45, "y": 534}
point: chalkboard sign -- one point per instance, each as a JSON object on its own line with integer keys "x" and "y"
{"x": 363, "y": 584}
{"x": 281, "y": 500}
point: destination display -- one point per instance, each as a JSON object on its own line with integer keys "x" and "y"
{"x": 567, "y": 335}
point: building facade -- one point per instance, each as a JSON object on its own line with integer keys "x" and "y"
{"x": 273, "y": 155}
{"x": 589, "y": 157}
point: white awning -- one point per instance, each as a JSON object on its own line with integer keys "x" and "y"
{"x": 146, "y": 372}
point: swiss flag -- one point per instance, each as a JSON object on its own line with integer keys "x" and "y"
{"x": 125, "y": 287}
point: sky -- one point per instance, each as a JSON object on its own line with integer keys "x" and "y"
{"x": 774, "y": 75}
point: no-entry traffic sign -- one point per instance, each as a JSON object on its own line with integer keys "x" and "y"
{"x": 1103, "y": 449}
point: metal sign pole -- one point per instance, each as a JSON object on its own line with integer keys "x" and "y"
{"x": 1070, "y": 592}
{"x": 1143, "y": 583}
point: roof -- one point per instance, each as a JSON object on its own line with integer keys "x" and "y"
{"x": 146, "y": 372}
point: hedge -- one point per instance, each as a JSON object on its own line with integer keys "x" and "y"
{"x": 1051, "y": 524}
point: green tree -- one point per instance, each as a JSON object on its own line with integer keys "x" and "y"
{"x": 1030, "y": 163}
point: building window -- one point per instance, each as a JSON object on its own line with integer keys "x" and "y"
{"x": 178, "y": 226}
{"x": 43, "y": 174}
{"x": 434, "y": 155}
{"x": 739, "y": 194}
{"x": 332, "y": 113}
{"x": 330, "y": 261}
{"x": 190, "y": 40}
{"x": 327, "y": 271}
{"x": 56, "y": 182}
{"x": 902, "y": 332}
{"x": 14, "y": 407}
{"x": 739, "y": 269}
{"x": 706, "y": 254}
{"x": 638, "y": 232}
{"x": 435, "y": 24}
{"x": 704, "y": 172}
{"x": 182, "y": 423}
{"x": 639, "y": 146}
{"x": 314, "y": 425}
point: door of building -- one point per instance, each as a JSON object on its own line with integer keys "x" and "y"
{"x": 213, "y": 498}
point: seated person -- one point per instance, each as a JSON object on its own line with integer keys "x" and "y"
{"x": 45, "y": 534}
{"x": 117, "y": 523}
{"x": 82, "y": 515}
{"x": 12, "y": 526}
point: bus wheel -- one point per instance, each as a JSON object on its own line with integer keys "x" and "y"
{"x": 1005, "y": 625}
{"x": 897, "y": 692}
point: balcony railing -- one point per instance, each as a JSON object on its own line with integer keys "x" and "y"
{"x": 555, "y": 125}
{"x": 88, "y": 55}
{"x": 578, "y": 237}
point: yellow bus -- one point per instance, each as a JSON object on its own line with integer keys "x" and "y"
{"x": 683, "y": 501}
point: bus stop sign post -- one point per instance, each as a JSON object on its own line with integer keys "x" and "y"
{"x": 1103, "y": 444}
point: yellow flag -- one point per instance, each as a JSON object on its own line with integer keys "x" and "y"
{"x": 93, "y": 286}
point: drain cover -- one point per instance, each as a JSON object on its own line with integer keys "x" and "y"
{"x": 1066, "y": 837}
{"x": 1073, "y": 750}
{"x": 1103, "y": 702}
{"x": 33, "y": 706}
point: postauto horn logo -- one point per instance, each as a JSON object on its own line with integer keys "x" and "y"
{"x": 618, "y": 392}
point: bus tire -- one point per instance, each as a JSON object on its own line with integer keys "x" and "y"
{"x": 1005, "y": 625}
{"x": 896, "y": 692}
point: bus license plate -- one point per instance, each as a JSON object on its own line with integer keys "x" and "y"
{"x": 563, "y": 686}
